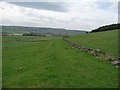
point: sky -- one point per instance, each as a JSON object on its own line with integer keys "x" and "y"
{"x": 74, "y": 15}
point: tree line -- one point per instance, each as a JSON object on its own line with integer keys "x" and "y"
{"x": 107, "y": 28}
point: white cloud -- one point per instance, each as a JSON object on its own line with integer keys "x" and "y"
{"x": 80, "y": 15}
{"x": 60, "y": 0}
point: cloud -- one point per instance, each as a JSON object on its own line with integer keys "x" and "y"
{"x": 60, "y": 0}
{"x": 54, "y": 6}
{"x": 119, "y": 12}
{"x": 70, "y": 15}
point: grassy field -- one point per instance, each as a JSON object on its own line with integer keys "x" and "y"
{"x": 106, "y": 41}
{"x": 50, "y": 63}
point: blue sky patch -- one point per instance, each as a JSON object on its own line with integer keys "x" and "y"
{"x": 103, "y": 5}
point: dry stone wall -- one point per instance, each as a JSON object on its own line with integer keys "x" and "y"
{"x": 95, "y": 52}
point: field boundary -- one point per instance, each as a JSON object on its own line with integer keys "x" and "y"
{"x": 95, "y": 52}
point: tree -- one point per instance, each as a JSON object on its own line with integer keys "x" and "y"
{"x": 107, "y": 28}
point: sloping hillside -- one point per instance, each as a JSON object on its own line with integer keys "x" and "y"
{"x": 106, "y": 41}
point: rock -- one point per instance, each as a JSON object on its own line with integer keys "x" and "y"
{"x": 114, "y": 59}
{"x": 103, "y": 53}
{"x": 90, "y": 49}
{"x": 85, "y": 49}
{"x": 97, "y": 50}
{"x": 116, "y": 62}
{"x": 92, "y": 52}
{"x": 109, "y": 57}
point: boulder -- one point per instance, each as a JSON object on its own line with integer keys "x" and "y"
{"x": 90, "y": 49}
{"x": 97, "y": 50}
{"x": 116, "y": 62}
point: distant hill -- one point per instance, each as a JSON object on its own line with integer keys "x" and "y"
{"x": 107, "y": 28}
{"x": 41, "y": 30}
